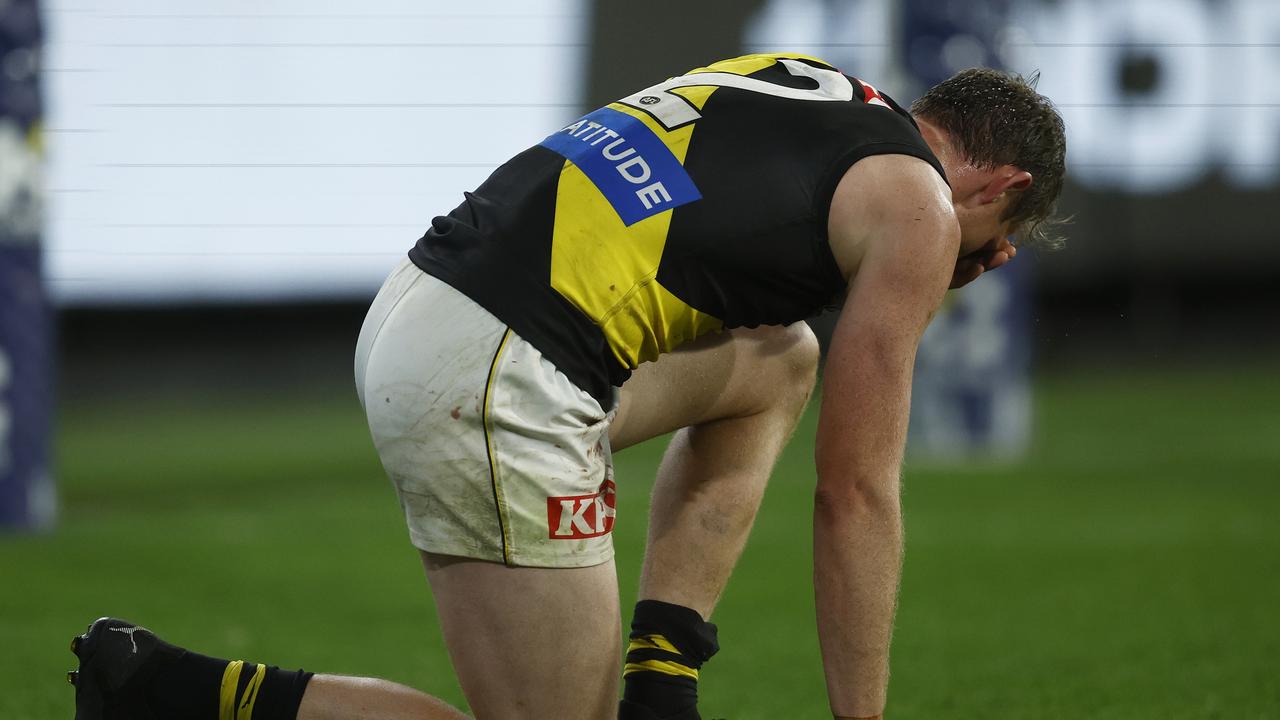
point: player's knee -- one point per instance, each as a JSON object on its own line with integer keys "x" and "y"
{"x": 803, "y": 357}
{"x": 805, "y": 353}
{"x": 789, "y": 356}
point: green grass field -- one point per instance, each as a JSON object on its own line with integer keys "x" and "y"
{"x": 1128, "y": 569}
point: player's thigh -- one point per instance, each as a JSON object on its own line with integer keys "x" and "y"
{"x": 738, "y": 373}
{"x": 530, "y": 642}
{"x": 498, "y": 459}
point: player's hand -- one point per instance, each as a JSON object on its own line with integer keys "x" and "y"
{"x": 986, "y": 258}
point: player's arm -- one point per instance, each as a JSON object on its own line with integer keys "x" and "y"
{"x": 892, "y": 219}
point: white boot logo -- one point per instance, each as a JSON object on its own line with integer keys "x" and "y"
{"x": 129, "y": 631}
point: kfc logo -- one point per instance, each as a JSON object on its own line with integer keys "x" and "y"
{"x": 582, "y": 516}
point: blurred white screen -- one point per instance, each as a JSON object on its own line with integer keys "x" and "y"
{"x": 235, "y": 150}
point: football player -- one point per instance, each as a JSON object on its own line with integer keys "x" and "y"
{"x": 644, "y": 270}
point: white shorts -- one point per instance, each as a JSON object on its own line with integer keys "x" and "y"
{"x": 495, "y": 454}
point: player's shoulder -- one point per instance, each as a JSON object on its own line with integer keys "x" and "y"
{"x": 889, "y": 197}
{"x": 890, "y": 179}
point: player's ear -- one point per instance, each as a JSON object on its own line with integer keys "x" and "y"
{"x": 1005, "y": 178}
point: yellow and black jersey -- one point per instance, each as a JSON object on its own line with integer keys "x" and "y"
{"x": 694, "y": 205}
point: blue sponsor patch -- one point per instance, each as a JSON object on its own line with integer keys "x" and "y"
{"x": 627, "y": 162}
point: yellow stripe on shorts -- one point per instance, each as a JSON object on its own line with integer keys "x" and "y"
{"x": 498, "y": 498}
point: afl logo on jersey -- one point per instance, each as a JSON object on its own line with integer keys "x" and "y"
{"x": 627, "y": 162}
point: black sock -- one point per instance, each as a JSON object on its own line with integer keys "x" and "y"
{"x": 668, "y": 645}
{"x": 192, "y": 686}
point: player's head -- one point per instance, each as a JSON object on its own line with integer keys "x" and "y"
{"x": 1004, "y": 147}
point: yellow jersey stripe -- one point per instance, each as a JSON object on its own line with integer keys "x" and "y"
{"x": 590, "y": 242}
{"x": 747, "y": 64}
{"x": 744, "y": 65}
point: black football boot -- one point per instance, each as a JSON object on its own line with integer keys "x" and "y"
{"x": 117, "y": 659}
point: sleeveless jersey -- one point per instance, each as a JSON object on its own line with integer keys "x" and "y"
{"x": 692, "y": 206}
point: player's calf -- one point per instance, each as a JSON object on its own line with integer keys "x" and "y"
{"x": 738, "y": 400}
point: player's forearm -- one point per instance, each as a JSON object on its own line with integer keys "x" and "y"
{"x": 857, "y": 560}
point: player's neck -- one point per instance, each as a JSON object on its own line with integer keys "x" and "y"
{"x": 942, "y": 145}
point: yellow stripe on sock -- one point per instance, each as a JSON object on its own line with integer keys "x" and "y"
{"x": 665, "y": 667}
{"x": 245, "y": 711}
{"x": 652, "y": 642}
{"x": 227, "y": 695}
